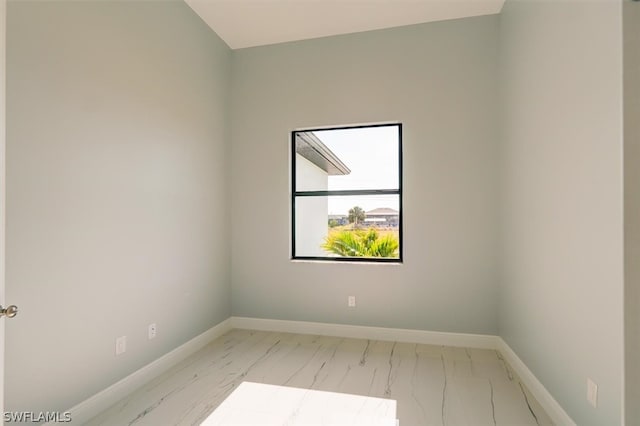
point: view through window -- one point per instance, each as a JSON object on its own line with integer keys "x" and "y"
{"x": 347, "y": 193}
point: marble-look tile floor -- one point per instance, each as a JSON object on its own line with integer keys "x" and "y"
{"x": 433, "y": 385}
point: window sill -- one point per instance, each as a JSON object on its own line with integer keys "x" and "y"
{"x": 348, "y": 262}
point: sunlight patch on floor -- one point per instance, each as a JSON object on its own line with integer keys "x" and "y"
{"x": 271, "y": 405}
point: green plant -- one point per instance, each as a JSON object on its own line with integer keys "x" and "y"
{"x": 360, "y": 243}
{"x": 356, "y": 215}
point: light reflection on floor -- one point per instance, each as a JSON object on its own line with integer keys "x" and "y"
{"x": 252, "y": 404}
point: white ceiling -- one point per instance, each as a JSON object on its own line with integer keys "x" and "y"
{"x": 247, "y": 23}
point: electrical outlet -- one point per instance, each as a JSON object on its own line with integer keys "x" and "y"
{"x": 121, "y": 345}
{"x": 351, "y": 301}
{"x": 152, "y": 331}
{"x": 592, "y": 393}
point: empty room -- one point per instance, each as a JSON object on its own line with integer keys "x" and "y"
{"x": 309, "y": 212}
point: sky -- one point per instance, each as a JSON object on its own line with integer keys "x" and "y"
{"x": 372, "y": 156}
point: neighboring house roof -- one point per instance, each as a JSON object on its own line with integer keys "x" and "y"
{"x": 382, "y": 211}
{"x": 310, "y": 147}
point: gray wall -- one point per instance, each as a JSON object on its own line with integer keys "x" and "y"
{"x": 631, "y": 23}
{"x": 561, "y": 298}
{"x": 439, "y": 80}
{"x": 116, "y": 191}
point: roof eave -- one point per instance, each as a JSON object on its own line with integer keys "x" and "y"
{"x": 310, "y": 147}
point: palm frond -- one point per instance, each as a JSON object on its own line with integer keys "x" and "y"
{"x": 359, "y": 243}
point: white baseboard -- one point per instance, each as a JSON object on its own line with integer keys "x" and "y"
{"x": 482, "y": 341}
{"x": 91, "y": 407}
{"x": 537, "y": 389}
{"x": 99, "y": 402}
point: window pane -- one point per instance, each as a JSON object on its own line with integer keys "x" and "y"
{"x": 347, "y": 159}
{"x": 348, "y": 226}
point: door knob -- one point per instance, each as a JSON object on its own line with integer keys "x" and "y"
{"x": 9, "y": 312}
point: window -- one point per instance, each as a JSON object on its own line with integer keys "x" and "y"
{"x": 347, "y": 193}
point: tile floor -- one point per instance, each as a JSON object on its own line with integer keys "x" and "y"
{"x": 432, "y": 385}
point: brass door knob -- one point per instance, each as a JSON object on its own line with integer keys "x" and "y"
{"x": 9, "y": 312}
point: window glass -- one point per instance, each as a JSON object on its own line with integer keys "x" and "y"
{"x": 347, "y": 193}
{"x": 343, "y": 226}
